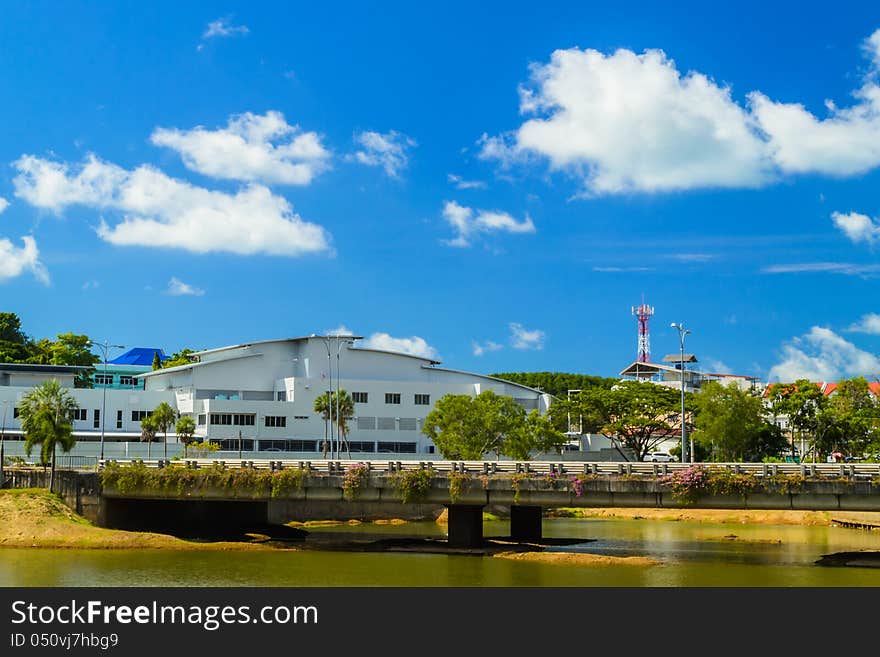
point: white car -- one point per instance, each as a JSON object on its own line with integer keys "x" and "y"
{"x": 660, "y": 457}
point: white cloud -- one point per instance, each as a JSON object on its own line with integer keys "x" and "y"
{"x": 625, "y": 122}
{"x": 869, "y": 323}
{"x": 3, "y": 204}
{"x": 822, "y": 355}
{"x": 15, "y": 261}
{"x": 223, "y": 28}
{"x": 342, "y": 329}
{"x": 388, "y": 150}
{"x": 91, "y": 285}
{"x": 461, "y": 183}
{"x": 692, "y": 257}
{"x": 846, "y": 268}
{"x": 716, "y": 366}
{"x": 468, "y": 222}
{"x": 522, "y": 338}
{"x": 857, "y": 227}
{"x": 252, "y": 147}
{"x": 414, "y": 345}
{"x": 161, "y": 211}
{"x": 611, "y": 270}
{"x": 177, "y": 287}
{"x": 488, "y": 346}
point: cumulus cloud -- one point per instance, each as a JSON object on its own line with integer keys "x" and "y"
{"x": 14, "y": 261}
{"x": 869, "y": 323}
{"x": 522, "y": 338}
{"x": 461, "y": 183}
{"x": 857, "y": 227}
{"x": 387, "y": 150}
{"x": 342, "y": 329}
{"x": 3, "y": 204}
{"x": 822, "y": 355}
{"x": 252, "y": 148}
{"x": 485, "y": 347}
{"x": 468, "y": 222}
{"x": 178, "y": 288}
{"x": 223, "y": 28}
{"x": 160, "y": 211}
{"x": 414, "y": 345}
{"x": 627, "y": 122}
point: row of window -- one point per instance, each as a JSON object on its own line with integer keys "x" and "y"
{"x": 234, "y": 419}
{"x": 391, "y": 398}
{"x": 107, "y": 380}
{"x": 313, "y": 446}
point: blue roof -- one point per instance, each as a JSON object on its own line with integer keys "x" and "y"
{"x": 138, "y": 356}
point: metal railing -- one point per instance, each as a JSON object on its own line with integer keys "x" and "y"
{"x": 609, "y": 468}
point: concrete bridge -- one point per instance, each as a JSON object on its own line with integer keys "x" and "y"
{"x": 207, "y": 491}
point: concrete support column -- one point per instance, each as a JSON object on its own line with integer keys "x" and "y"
{"x": 525, "y": 523}
{"x": 465, "y": 525}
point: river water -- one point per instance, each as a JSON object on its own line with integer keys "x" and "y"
{"x": 689, "y": 554}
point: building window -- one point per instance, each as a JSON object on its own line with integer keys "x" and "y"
{"x": 78, "y": 414}
{"x": 288, "y": 445}
{"x": 361, "y": 446}
{"x": 137, "y": 416}
{"x": 15, "y": 412}
{"x": 359, "y": 397}
{"x": 408, "y": 424}
{"x": 118, "y": 419}
{"x": 392, "y": 397}
{"x": 387, "y": 423}
{"x": 202, "y": 419}
{"x": 103, "y": 379}
{"x": 366, "y": 423}
{"x": 281, "y": 395}
{"x": 232, "y": 444}
{"x": 221, "y": 418}
{"x": 127, "y": 381}
{"x": 97, "y": 418}
{"x": 300, "y": 417}
{"x": 397, "y": 448}
{"x": 243, "y": 419}
{"x": 276, "y": 421}
{"x": 422, "y": 400}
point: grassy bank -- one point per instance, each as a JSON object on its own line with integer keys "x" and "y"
{"x": 32, "y": 517}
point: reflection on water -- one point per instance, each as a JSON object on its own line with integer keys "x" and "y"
{"x": 689, "y": 554}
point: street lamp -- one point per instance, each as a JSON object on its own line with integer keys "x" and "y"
{"x": 682, "y": 331}
{"x": 104, "y": 347}
{"x": 329, "y": 393}
{"x": 339, "y": 344}
{"x": 2, "y": 438}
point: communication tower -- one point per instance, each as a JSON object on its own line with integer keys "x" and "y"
{"x": 643, "y": 313}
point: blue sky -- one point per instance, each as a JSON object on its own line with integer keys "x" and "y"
{"x": 491, "y": 185}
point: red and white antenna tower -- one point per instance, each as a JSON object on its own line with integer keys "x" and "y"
{"x": 643, "y": 313}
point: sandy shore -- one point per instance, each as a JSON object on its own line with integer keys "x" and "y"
{"x": 729, "y": 516}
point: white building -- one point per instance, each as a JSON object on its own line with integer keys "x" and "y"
{"x": 263, "y": 393}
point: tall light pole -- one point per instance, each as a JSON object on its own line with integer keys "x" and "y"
{"x": 329, "y": 392}
{"x": 2, "y": 438}
{"x": 682, "y": 331}
{"x": 104, "y": 347}
{"x": 339, "y": 343}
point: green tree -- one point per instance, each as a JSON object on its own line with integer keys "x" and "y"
{"x": 185, "y": 428}
{"x": 326, "y": 405}
{"x": 557, "y": 383}
{"x": 182, "y": 357}
{"x": 731, "y": 424}
{"x": 633, "y": 414}
{"x": 10, "y": 329}
{"x": 801, "y": 401}
{"x": 148, "y": 432}
{"x": 848, "y": 421}
{"x": 465, "y": 427}
{"x": 163, "y": 417}
{"x": 46, "y": 413}
{"x": 157, "y": 363}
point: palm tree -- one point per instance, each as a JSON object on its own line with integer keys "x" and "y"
{"x": 185, "y": 430}
{"x": 163, "y": 417}
{"x": 46, "y": 413}
{"x": 327, "y": 406}
{"x": 148, "y": 432}
{"x": 323, "y": 404}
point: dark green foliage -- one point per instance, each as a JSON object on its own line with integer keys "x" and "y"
{"x": 557, "y": 383}
{"x": 413, "y": 485}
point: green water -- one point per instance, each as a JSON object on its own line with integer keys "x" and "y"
{"x": 689, "y": 554}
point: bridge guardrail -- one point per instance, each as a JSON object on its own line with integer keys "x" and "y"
{"x": 336, "y": 466}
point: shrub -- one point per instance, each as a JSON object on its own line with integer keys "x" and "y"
{"x": 413, "y": 485}
{"x": 354, "y": 479}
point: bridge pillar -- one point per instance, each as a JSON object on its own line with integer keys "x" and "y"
{"x": 465, "y": 525}
{"x": 525, "y": 523}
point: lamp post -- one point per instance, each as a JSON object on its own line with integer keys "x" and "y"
{"x": 682, "y": 331}
{"x": 2, "y": 438}
{"x": 339, "y": 343}
{"x": 104, "y": 347}
{"x": 329, "y": 392}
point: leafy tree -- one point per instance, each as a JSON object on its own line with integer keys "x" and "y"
{"x": 148, "y": 432}
{"x": 185, "y": 430}
{"x": 10, "y": 329}
{"x": 163, "y": 417}
{"x": 633, "y": 414}
{"x": 326, "y": 405}
{"x": 465, "y": 427}
{"x": 157, "y": 362}
{"x": 557, "y": 383}
{"x": 848, "y": 422}
{"x": 731, "y": 424}
{"x": 801, "y": 401}
{"x": 182, "y": 357}
{"x": 46, "y": 413}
